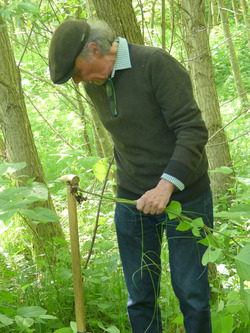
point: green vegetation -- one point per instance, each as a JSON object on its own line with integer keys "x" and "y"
{"x": 36, "y": 293}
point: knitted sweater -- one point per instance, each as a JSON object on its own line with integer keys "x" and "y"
{"x": 158, "y": 128}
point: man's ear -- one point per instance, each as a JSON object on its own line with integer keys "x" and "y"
{"x": 94, "y": 49}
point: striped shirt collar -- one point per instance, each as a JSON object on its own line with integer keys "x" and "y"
{"x": 122, "y": 58}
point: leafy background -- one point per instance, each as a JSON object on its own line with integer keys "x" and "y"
{"x": 36, "y": 292}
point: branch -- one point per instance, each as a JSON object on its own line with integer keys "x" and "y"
{"x": 40, "y": 78}
{"x": 223, "y": 143}
{"x": 98, "y": 214}
{"x": 46, "y": 121}
{"x": 222, "y": 128}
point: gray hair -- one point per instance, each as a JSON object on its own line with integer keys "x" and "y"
{"x": 101, "y": 34}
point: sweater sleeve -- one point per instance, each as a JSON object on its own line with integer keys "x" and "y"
{"x": 173, "y": 92}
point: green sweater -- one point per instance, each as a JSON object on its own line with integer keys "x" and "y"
{"x": 158, "y": 128}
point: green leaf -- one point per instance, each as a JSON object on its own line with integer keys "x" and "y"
{"x": 73, "y": 326}
{"x": 24, "y": 323}
{"x": 184, "y": 226}
{"x": 227, "y": 324}
{"x": 6, "y": 296}
{"x": 32, "y": 311}
{"x": 11, "y": 167}
{"x": 110, "y": 329}
{"x": 198, "y": 223}
{"x": 64, "y": 330}
{"x": 41, "y": 214}
{"x": 113, "y": 329}
{"x": 178, "y": 320}
{"x": 246, "y": 297}
{"x": 38, "y": 191}
{"x": 225, "y": 170}
{"x": 6, "y": 321}
{"x": 196, "y": 232}
{"x": 48, "y": 317}
{"x": 211, "y": 255}
{"x": 100, "y": 169}
{"x": 6, "y": 310}
{"x": 5, "y": 216}
{"x": 234, "y": 305}
{"x": 242, "y": 261}
{"x": 173, "y": 209}
{"x": 29, "y": 7}
{"x": 209, "y": 240}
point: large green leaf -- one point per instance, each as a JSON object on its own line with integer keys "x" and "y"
{"x": 227, "y": 324}
{"x": 11, "y": 167}
{"x": 41, "y": 214}
{"x": 211, "y": 255}
{"x": 234, "y": 305}
{"x": 242, "y": 261}
{"x": 100, "y": 169}
{"x": 5, "y": 321}
{"x": 32, "y": 311}
{"x": 33, "y": 192}
{"x": 24, "y": 323}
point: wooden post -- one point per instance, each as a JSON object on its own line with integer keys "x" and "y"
{"x": 72, "y": 180}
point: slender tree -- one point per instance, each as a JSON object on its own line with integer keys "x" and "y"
{"x": 246, "y": 20}
{"x": 18, "y": 137}
{"x": 232, "y": 55}
{"x": 200, "y": 63}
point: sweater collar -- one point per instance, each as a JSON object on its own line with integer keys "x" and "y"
{"x": 123, "y": 57}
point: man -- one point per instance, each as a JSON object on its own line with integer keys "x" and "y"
{"x": 144, "y": 99}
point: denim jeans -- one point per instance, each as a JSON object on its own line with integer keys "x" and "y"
{"x": 139, "y": 239}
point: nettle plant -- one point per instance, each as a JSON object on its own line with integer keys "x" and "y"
{"x": 15, "y": 200}
{"x": 18, "y": 200}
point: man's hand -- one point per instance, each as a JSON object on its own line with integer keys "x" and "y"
{"x": 155, "y": 201}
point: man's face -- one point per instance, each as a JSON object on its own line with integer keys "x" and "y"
{"x": 90, "y": 69}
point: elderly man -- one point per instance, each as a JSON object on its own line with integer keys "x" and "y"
{"x": 144, "y": 98}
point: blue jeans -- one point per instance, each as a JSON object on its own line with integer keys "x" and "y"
{"x": 139, "y": 239}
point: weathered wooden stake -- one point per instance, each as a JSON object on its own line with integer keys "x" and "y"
{"x": 72, "y": 180}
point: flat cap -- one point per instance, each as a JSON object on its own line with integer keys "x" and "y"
{"x": 66, "y": 44}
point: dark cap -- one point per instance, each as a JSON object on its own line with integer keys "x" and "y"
{"x": 65, "y": 46}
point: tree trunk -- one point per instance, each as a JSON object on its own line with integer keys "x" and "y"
{"x": 236, "y": 12}
{"x": 246, "y": 20}
{"x": 200, "y": 63}
{"x": 214, "y": 12}
{"x": 18, "y": 136}
{"x": 120, "y": 15}
{"x": 232, "y": 55}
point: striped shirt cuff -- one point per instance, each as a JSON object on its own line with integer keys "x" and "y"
{"x": 174, "y": 181}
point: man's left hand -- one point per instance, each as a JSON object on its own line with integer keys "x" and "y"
{"x": 155, "y": 201}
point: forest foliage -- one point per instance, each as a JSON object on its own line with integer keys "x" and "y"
{"x": 36, "y": 291}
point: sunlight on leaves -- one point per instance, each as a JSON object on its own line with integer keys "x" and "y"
{"x": 100, "y": 169}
